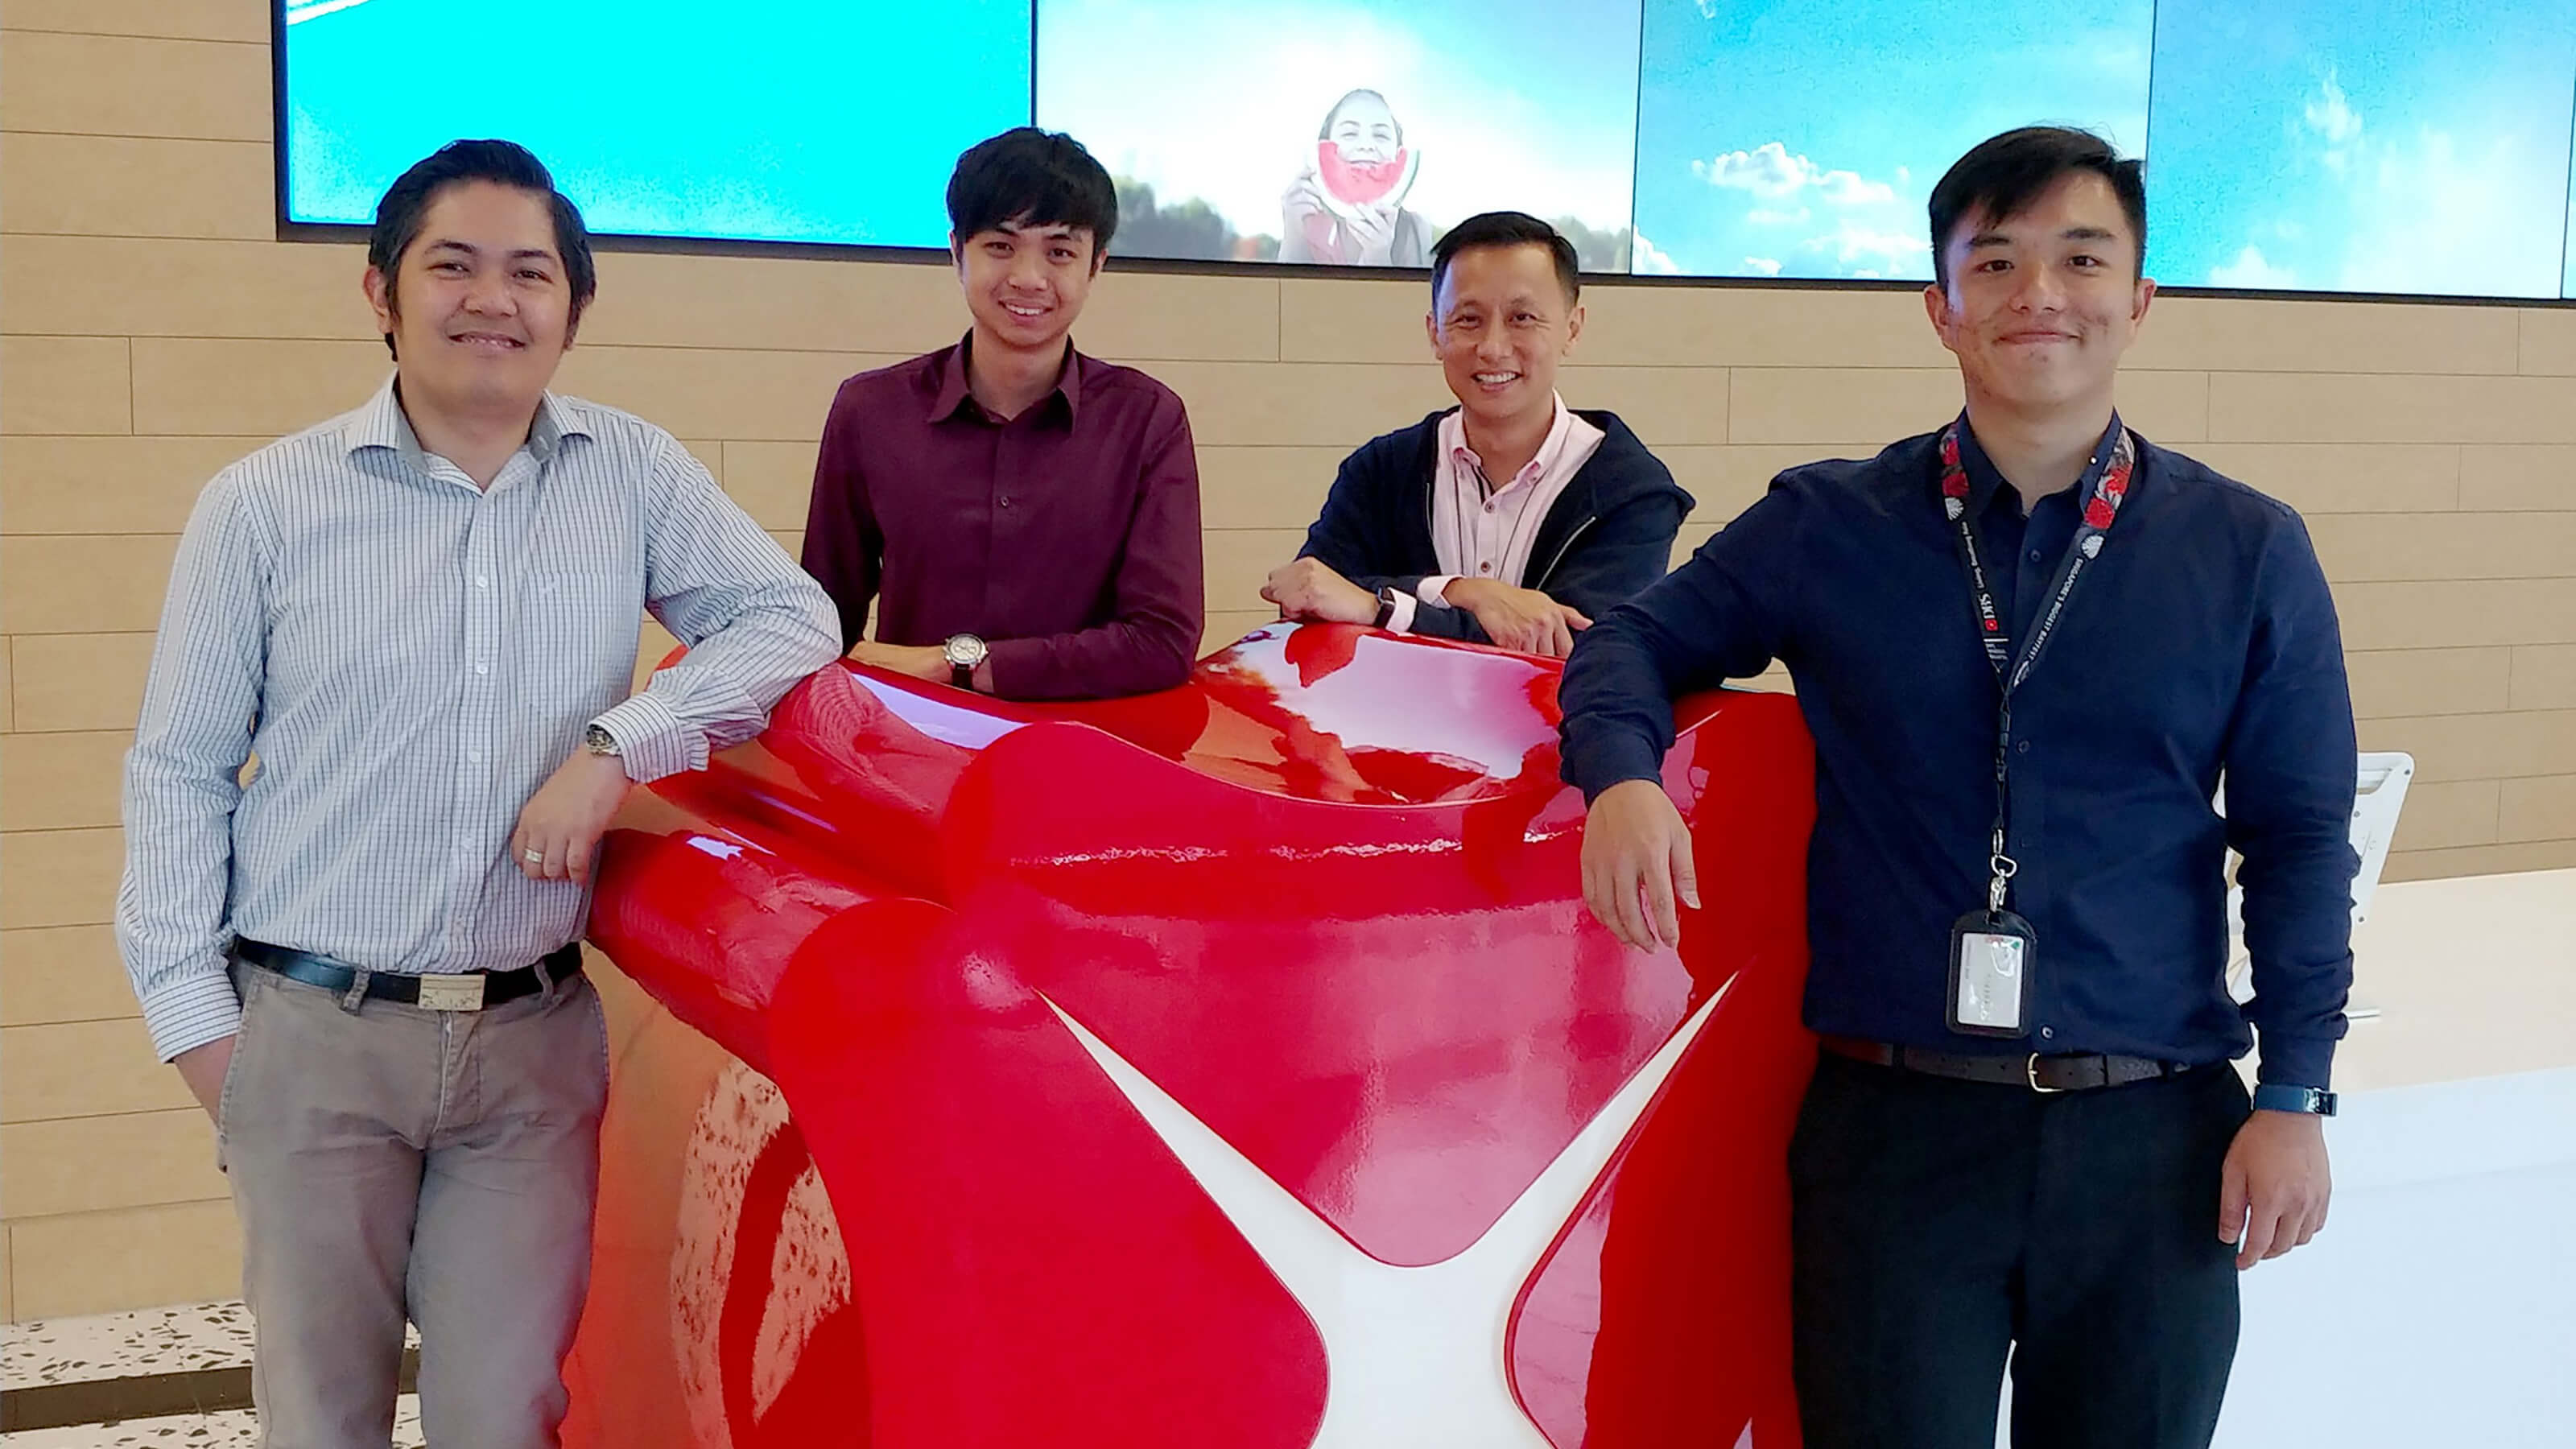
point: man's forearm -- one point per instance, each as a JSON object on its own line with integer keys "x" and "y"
{"x": 720, "y": 693}
{"x": 1122, "y": 657}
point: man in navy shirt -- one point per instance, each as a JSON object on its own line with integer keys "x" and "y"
{"x": 2029, "y": 647}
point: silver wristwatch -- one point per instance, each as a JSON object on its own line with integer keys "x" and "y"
{"x": 963, "y": 652}
{"x": 599, "y": 741}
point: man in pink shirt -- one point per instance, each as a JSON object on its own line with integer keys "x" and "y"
{"x": 1510, "y": 519}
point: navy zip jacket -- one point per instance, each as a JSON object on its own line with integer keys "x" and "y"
{"x": 2201, "y": 640}
{"x": 1609, "y": 534}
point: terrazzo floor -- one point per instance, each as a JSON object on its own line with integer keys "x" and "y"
{"x": 188, "y": 1338}
{"x": 122, "y": 1345}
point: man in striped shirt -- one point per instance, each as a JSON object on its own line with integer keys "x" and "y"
{"x": 1510, "y": 519}
{"x": 420, "y": 619}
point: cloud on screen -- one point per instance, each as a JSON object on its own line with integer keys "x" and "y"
{"x": 1800, "y": 138}
{"x": 2362, "y": 145}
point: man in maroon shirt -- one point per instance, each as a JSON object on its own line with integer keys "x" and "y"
{"x": 1025, "y": 518}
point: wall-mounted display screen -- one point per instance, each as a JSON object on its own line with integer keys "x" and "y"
{"x": 1350, "y": 131}
{"x": 1801, "y": 138}
{"x": 795, "y": 120}
{"x": 2362, "y": 145}
{"x": 2415, "y": 147}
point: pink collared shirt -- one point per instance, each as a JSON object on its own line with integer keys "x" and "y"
{"x": 1486, "y": 531}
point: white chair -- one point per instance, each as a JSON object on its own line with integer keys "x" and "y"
{"x": 2380, "y": 796}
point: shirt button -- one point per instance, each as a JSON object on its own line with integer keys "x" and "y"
{"x": 2048, "y": 1033}
{"x": 2022, "y": 748}
{"x": 2034, "y": 555}
{"x": 1484, "y": 568}
{"x": 482, "y": 582}
{"x": 474, "y": 757}
{"x": 1006, "y": 502}
{"x": 482, "y": 668}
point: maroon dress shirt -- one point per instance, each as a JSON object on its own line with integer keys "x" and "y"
{"x": 1067, "y": 537}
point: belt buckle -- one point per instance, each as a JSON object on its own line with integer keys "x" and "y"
{"x": 451, "y": 993}
{"x": 2030, "y": 1074}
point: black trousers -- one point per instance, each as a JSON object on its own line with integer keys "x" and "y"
{"x": 1939, "y": 1227}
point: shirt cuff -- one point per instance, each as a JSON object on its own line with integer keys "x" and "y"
{"x": 1613, "y": 761}
{"x": 186, "y": 1012}
{"x": 1399, "y": 619}
{"x": 2291, "y": 1061}
{"x": 1434, "y": 589}
{"x": 652, "y": 740}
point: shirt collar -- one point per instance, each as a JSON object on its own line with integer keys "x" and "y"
{"x": 381, "y": 423}
{"x": 1551, "y": 449}
{"x": 1985, "y": 481}
{"x": 954, "y": 393}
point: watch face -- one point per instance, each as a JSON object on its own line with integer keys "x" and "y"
{"x": 965, "y": 651}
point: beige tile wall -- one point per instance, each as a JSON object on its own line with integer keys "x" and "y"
{"x": 152, "y": 329}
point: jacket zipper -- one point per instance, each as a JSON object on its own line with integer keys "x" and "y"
{"x": 1564, "y": 548}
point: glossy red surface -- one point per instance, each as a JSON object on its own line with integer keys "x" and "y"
{"x": 867, "y": 1182}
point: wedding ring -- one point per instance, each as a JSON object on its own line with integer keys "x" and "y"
{"x": 533, "y": 857}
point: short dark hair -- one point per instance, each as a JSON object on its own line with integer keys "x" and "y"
{"x": 1324, "y": 132}
{"x": 2004, "y": 174}
{"x": 1506, "y": 229}
{"x": 1032, "y": 178}
{"x": 405, "y": 207}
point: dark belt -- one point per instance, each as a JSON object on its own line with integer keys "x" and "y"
{"x": 468, "y": 991}
{"x": 2076, "y": 1072}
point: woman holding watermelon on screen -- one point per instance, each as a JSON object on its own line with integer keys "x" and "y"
{"x": 1347, "y": 208}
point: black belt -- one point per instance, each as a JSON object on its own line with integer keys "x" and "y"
{"x": 469, "y": 991}
{"x": 2078, "y": 1072}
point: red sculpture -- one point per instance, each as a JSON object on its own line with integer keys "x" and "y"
{"x": 1235, "y": 1066}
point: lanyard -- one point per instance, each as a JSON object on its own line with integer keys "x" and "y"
{"x": 2101, "y": 510}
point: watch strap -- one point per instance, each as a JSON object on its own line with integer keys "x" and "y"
{"x": 1385, "y": 608}
{"x": 2276, "y": 1097}
{"x": 962, "y": 675}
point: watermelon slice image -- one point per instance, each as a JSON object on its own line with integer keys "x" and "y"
{"x": 1351, "y": 187}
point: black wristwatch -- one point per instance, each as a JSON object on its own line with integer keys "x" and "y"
{"x": 2273, "y": 1097}
{"x": 1385, "y": 607}
{"x": 963, "y": 652}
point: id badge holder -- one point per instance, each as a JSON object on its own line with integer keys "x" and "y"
{"x": 1991, "y": 956}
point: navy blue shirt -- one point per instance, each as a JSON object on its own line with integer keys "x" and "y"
{"x": 2202, "y": 641}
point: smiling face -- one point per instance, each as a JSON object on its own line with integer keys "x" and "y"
{"x": 2041, "y": 304}
{"x": 479, "y": 307}
{"x": 1364, "y": 129}
{"x": 1500, "y": 324}
{"x": 1026, "y": 284}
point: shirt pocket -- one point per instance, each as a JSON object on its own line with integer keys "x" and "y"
{"x": 579, "y": 632}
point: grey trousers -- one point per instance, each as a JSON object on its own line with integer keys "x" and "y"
{"x": 391, "y": 1163}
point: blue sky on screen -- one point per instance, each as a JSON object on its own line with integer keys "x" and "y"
{"x": 796, "y": 120}
{"x": 1801, "y": 138}
{"x": 1527, "y": 104}
{"x": 2363, "y": 145}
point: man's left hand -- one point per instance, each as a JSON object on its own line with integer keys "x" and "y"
{"x": 1306, "y": 589}
{"x": 2272, "y": 1192}
{"x": 559, "y": 830}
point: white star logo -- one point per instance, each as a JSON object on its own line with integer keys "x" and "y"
{"x": 1414, "y": 1356}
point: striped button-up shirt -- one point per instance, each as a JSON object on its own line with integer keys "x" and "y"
{"x": 408, "y": 657}
{"x": 1481, "y": 529}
